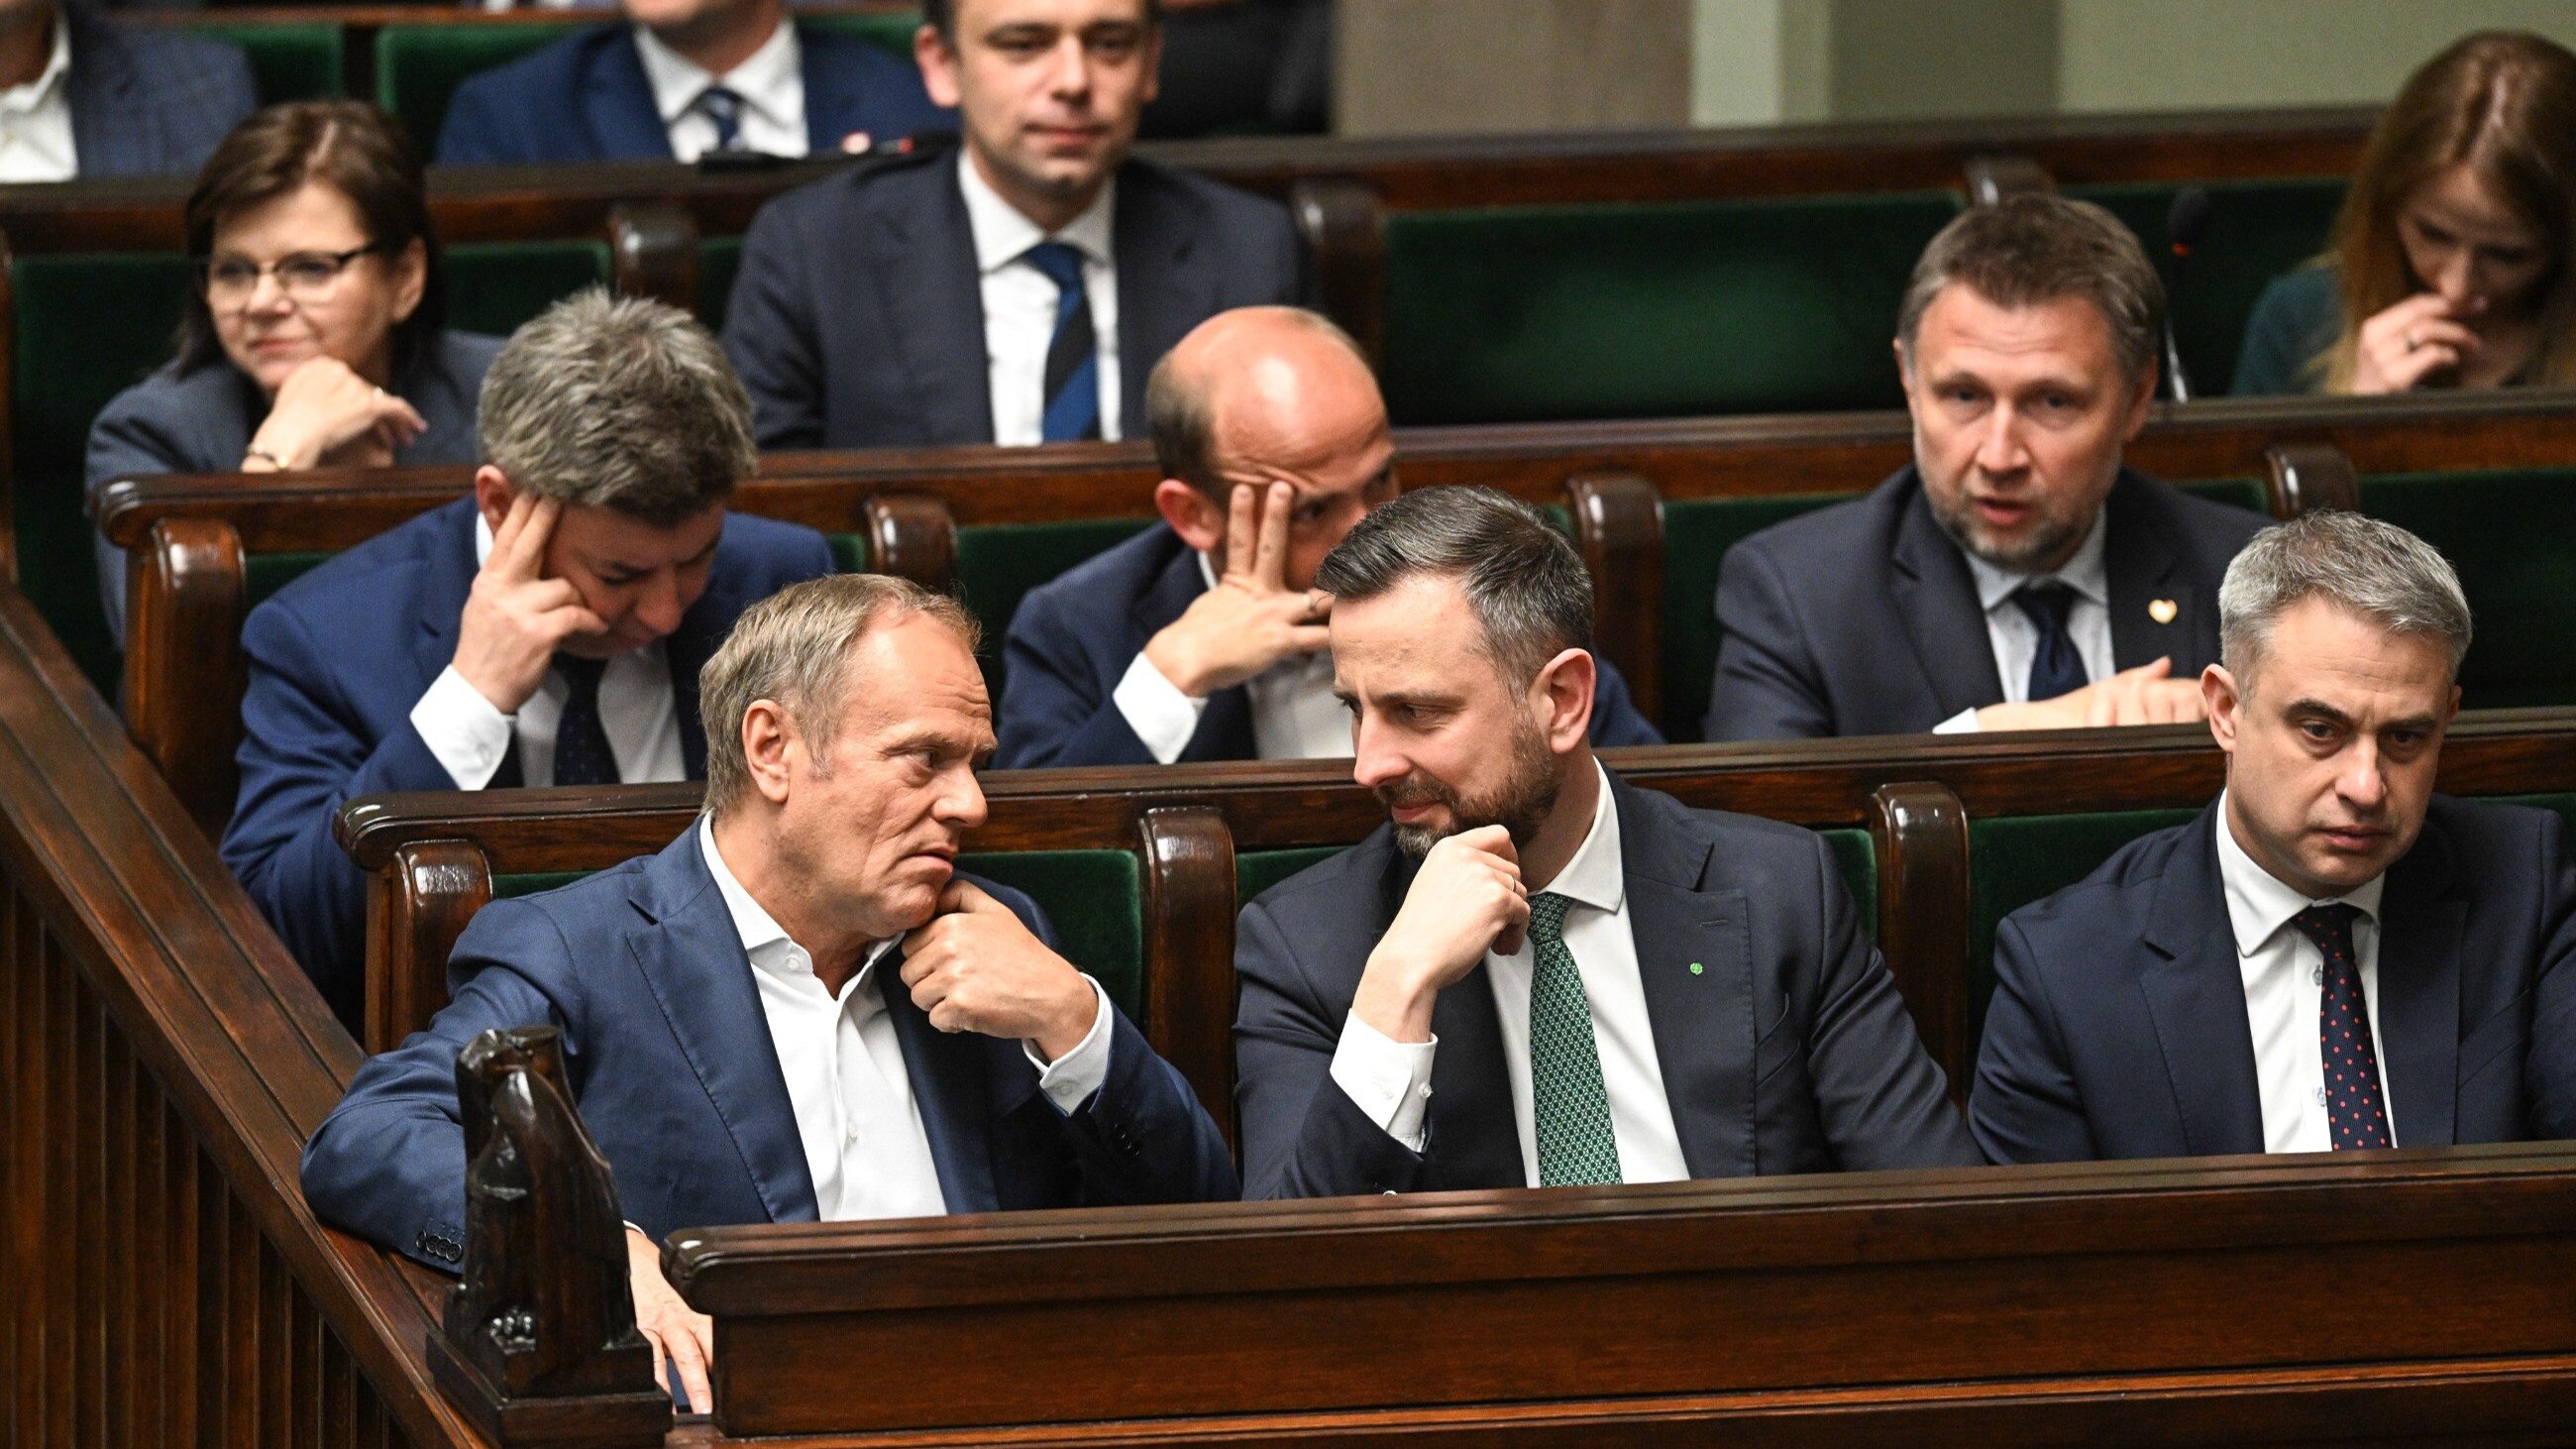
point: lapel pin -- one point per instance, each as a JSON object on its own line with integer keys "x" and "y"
{"x": 1696, "y": 968}
{"x": 2163, "y": 611}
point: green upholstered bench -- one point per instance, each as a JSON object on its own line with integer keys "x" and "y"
{"x": 2508, "y": 533}
{"x": 1531, "y": 313}
{"x": 419, "y": 67}
{"x": 2257, "y": 231}
{"x": 290, "y": 60}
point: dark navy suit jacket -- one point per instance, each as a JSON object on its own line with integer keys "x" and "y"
{"x": 858, "y": 318}
{"x": 148, "y": 101}
{"x": 337, "y": 660}
{"x": 585, "y": 98}
{"x": 673, "y": 1069}
{"x": 1073, "y": 638}
{"x": 1790, "y": 1051}
{"x": 2118, "y": 1024}
{"x": 1862, "y": 618}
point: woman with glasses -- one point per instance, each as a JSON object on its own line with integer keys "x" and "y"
{"x": 312, "y": 337}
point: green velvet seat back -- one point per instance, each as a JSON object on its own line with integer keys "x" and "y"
{"x": 1094, "y": 898}
{"x": 1697, "y": 534}
{"x": 2508, "y": 533}
{"x": 2246, "y": 493}
{"x": 289, "y": 60}
{"x": 1604, "y": 311}
{"x": 2014, "y": 860}
{"x": 494, "y": 286}
{"x": 997, "y": 565}
{"x": 2257, "y": 231}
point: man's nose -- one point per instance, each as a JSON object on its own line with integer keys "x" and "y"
{"x": 657, "y": 604}
{"x": 961, "y": 804}
{"x": 1070, "y": 72}
{"x": 2361, "y": 783}
{"x": 1999, "y": 445}
{"x": 1373, "y": 764}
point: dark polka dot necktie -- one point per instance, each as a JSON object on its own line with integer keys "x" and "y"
{"x": 1568, "y": 1098}
{"x": 2354, "y": 1106}
{"x": 2056, "y": 665}
{"x": 582, "y": 755}
{"x": 1072, "y": 383}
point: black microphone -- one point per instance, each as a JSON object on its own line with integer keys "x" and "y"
{"x": 2184, "y": 222}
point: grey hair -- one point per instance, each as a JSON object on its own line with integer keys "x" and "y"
{"x": 1180, "y": 416}
{"x": 2028, "y": 250}
{"x": 1527, "y": 587}
{"x": 620, "y": 403}
{"x": 2375, "y": 570}
{"x": 793, "y": 648}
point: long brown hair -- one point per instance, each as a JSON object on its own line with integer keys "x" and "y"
{"x": 2504, "y": 104}
{"x": 354, "y": 149}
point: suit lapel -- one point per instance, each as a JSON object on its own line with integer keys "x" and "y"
{"x": 692, "y": 959}
{"x": 448, "y": 580}
{"x": 2141, "y": 561}
{"x": 701, "y": 631}
{"x": 958, "y": 1092}
{"x": 2195, "y": 995}
{"x": 1161, "y": 296}
{"x": 1937, "y": 599}
{"x": 2419, "y": 994}
{"x": 617, "y": 101}
{"x": 113, "y": 133}
{"x": 923, "y": 260}
{"x": 1702, "y": 1023}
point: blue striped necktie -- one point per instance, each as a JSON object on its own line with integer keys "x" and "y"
{"x": 724, "y": 107}
{"x": 1072, "y": 388}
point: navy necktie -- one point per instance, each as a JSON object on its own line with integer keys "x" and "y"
{"x": 582, "y": 755}
{"x": 724, "y": 107}
{"x": 2355, "y": 1111}
{"x": 2056, "y": 666}
{"x": 1072, "y": 389}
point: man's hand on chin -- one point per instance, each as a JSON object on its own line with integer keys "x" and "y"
{"x": 976, "y": 968}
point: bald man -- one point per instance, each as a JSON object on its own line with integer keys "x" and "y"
{"x": 1203, "y": 638}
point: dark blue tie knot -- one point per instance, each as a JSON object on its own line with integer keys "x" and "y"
{"x": 2047, "y": 602}
{"x": 581, "y": 675}
{"x": 1060, "y": 261}
{"x": 724, "y": 107}
{"x": 2056, "y": 665}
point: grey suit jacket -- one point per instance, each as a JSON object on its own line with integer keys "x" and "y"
{"x": 858, "y": 317}
{"x": 1783, "y": 1043}
{"x": 148, "y": 101}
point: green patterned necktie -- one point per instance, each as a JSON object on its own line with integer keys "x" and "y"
{"x": 1567, "y": 1096}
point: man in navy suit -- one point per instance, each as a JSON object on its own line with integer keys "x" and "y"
{"x": 105, "y": 99}
{"x": 1536, "y": 974}
{"x": 1017, "y": 289}
{"x": 685, "y": 79}
{"x": 2332, "y": 956}
{"x": 799, "y": 1010}
{"x": 1203, "y": 638}
{"x": 545, "y": 631}
{"x": 2016, "y": 576}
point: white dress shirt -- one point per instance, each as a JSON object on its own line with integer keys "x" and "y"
{"x": 1020, "y": 303}
{"x": 2284, "y": 976}
{"x": 36, "y": 120}
{"x": 469, "y": 736}
{"x": 1295, "y": 714}
{"x": 846, "y": 1081}
{"x": 771, "y": 82}
{"x": 2015, "y": 639}
{"x": 1390, "y": 1081}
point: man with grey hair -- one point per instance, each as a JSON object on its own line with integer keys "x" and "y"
{"x": 799, "y": 1010}
{"x": 2331, "y": 956}
{"x": 1535, "y": 973}
{"x": 2016, "y": 575}
{"x": 546, "y": 630}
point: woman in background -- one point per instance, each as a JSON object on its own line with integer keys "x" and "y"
{"x": 313, "y": 333}
{"x": 2451, "y": 263}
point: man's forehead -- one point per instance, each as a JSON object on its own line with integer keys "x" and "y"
{"x": 1962, "y": 322}
{"x": 606, "y": 535}
{"x": 981, "y": 15}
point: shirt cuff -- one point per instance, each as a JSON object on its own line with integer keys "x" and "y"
{"x": 462, "y": 729}
{"x": 1962, "y": 723}
{"x": 1154, "y": 707}
{"x": 1388, "y": 1080}
{"x": 1069, "y": 1080}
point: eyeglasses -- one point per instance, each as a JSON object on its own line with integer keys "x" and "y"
{"x": 304, "y": 276}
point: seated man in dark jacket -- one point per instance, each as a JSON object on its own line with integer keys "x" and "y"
{"x": 2016, "y": 576}
{"x": 108, "y": 99}
{"x": 798, "y": 1010}
{"x": 1203, "y": 637}
{"x": 545, "y": 631}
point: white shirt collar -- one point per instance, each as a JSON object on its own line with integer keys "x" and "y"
{"x": 2085, "y": 573}
{"x": 1003, "y": 235}
{"x": 26, "y": 98}
{"x": 1597, "y": 875}
{"x": 678, "y": 81}
{"x": 2259, "y": 904}
{"x": 762, "y": 936}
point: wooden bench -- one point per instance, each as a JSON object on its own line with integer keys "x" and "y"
{"x": 203, "y": 550}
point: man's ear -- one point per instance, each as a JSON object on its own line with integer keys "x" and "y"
{"x": 493, "y": 495}
{"x": 938, "y": 62}
{"x": 2218, "y": 692}
{"x": 767, "y": 738}
{"x": 1562, "y": 693}
{"x": 1193, "y": 515}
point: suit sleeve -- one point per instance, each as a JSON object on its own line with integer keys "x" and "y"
{"x": 389, "y": 1162}
{"x": 1882, "y": 1098}
{"x": 1302, "y": 1135}
{"x": 477, "y": 129}
{"x": 2026, "y": 1106}
{"x": 1615, "y": 717}
{"x": 131, "y": 439}
{"x": 1766, "y": 686}
{"x": 769, "y": 334}
{"x": 2550, "y": 1064}
{"x": 303, "y": 757}
{"x": 1056, "y": 711}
